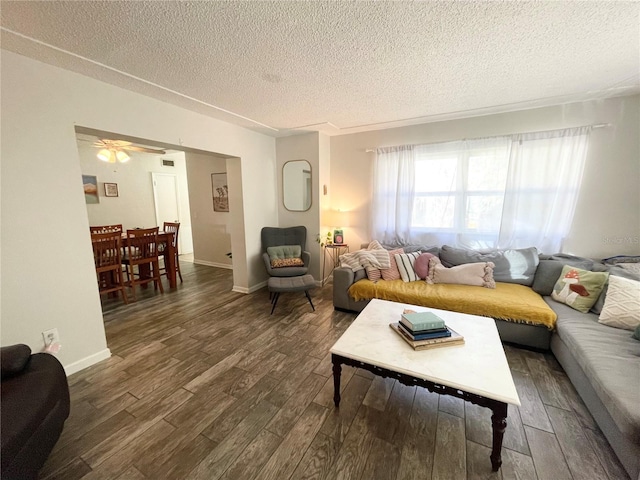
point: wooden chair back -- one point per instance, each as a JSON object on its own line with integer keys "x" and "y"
{"x": 142, "y": 250}
{"x": 106, "y": 228}
{"x": 107, "y": 256}
{"x": 174, "y": 227}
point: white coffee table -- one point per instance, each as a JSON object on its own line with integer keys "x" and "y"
{"x": 476, "y": 371}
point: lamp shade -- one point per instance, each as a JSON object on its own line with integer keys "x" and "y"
{"x": 104, "y": 155}
{"x": 336, "y": 218}
{"x": 122, "y": 156}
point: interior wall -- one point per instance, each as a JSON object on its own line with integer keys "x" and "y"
{"x": 606, "y": 220}
{"x": 302, "y": 147}
{"x": 134, "y": 207}
{"x": 211, "y": 232}
{"x": 52, "y": 284}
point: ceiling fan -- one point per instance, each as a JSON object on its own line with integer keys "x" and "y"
{"x": 112, "y": 150}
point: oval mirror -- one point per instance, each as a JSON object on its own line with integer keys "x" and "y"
{"x": 296, "y": 185}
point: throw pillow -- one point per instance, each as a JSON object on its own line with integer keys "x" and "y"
{"x": 373, "y": 273}
{"x": 421, "y": 265}
{"x": 622, "y": 305}
{"x": 636, "y": 333}
{"x": 284, "y": 251}
{"x": 549, "y": 271}
{"x": 478, "y": 274}
{"x": 579, "y": 288}
{"x": 286, "y": 262}
{"x": 511, "y": 265}
{"x": 405, "y": 262}
{"x": 392, "y": 273}
{"x": 614, "y": 271}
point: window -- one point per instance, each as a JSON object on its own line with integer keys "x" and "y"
{"x": 510, "y": 191}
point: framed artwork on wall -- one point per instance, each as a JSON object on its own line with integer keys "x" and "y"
{"x": 90, "y": 185}
{"x": 110, "y": 189}
{"x": 220, "y": 192}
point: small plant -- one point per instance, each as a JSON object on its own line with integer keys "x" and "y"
{"x": 324, "y": 241}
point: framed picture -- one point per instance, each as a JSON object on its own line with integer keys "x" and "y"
{"x": 90, "y": 185}
{"x": 110, "y": 189}
{"x": 220, "y": 192}
{"x": 338, "y": 237}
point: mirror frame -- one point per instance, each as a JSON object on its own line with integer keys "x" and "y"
{"x": 310, "y": 170}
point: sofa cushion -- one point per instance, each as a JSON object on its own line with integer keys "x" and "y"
{"x": 622, "y": 305}
{"x": 13, "y": 359}
{"x": 478, "y": 274}
{"x": 549, "y": 271}
{"x": 615, "y": 271}
{"x": 421, "y": 265}
{"x": 392, "y": 273}
{"x": 610, "y": 359}
{"x": 579, "y": 288}
{"x": 284, "y": 251}
{"x": 511, "y": 266}
{"x": 405, "y": 262}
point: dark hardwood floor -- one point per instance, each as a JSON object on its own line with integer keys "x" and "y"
{"x": 205, "y": 384}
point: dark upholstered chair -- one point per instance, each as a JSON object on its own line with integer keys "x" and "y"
{"x": 277, "y": 237}
{"x": 34, "y": 407}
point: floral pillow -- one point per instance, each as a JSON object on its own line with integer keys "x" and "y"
{"x": 579, "y": 288}
{"x": 286, "y": 262}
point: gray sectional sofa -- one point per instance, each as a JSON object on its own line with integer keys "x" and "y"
{"x": 602, "y": 362}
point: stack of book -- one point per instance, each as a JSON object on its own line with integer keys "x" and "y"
{"x": 424, "y": 330}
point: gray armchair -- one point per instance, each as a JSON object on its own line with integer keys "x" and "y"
{"x": 276, "y": 237}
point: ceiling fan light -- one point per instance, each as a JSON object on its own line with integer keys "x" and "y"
{"x": 122, "y": 156}
{"x": 104, "y": 155}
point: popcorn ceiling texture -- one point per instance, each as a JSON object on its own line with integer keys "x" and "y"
{"x": 341, "y": 64}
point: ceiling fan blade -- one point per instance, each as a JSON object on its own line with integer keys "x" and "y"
{"x": 134, "y": 148}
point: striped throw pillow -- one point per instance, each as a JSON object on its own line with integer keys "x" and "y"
{"x": 405, "y": 263}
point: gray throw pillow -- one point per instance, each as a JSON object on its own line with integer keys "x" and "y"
{"x": 636, "y": 333}
{"x": 511, "y": 265}
{"x": 549, "y": 271}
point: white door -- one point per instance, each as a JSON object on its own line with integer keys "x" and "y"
{"x": 165, "y": 196}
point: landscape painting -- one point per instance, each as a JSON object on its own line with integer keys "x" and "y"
{"x": 90, "y": 185}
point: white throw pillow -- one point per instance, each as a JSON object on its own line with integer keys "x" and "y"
{"x": 405, "y": 262}
{"x": 622, "y": 304}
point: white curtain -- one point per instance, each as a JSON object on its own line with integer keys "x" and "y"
{"x": 500, "y": 192}
{"x": 393, "y": 186}
{"x": 543, "y": 183}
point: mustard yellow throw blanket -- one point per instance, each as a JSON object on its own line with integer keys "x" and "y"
{"x": 508, "y": 301}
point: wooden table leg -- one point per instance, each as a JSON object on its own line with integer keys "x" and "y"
{"x": 499, "y": 424}
{"x": 170, "y": 264}
{"x": 337, "y": 370}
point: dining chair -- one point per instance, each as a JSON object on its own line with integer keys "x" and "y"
{"x": 106, "y": 228}
{"x": 173, "y": 228}
{"x": 107, "y": 256}
{"x": 142, "y": 250}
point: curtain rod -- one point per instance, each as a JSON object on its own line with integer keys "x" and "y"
{"x": 597, "y": 125}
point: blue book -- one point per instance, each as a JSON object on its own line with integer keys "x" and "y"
{"x": 418, "y": 321}
{"x": 440, "y": 333}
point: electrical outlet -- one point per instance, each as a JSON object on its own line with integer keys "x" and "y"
{"x": 51, "y": 336}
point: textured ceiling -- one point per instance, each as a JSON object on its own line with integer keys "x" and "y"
{"x": 339, "y": 67}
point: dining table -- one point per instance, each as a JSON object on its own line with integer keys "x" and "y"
{"x": 166, "y": 249}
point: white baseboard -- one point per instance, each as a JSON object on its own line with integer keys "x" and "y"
{"x": 87, "y": 361}
{"x": 213, "y": 264}
{"x": 255, "y": 288}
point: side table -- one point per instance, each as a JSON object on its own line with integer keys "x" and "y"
{"x": 332, "y": 253}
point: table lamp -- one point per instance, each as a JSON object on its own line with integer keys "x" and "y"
{"x": 338, "y": 219}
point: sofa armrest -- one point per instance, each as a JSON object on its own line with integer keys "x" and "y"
{"x": 13, "y": 359}
{"x": 306, "y": 258}
{"x": 343, "y": 278}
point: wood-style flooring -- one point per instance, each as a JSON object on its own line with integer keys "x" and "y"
{"x": 205, "y": 384}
